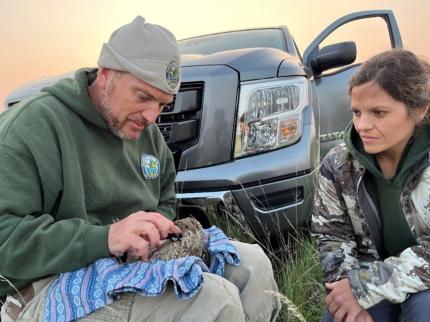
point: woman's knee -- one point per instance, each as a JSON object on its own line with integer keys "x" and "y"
{"x": 417, "y": 307}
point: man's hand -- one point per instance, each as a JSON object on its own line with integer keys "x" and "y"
{"x": 343, "y": 305}
{"x": 139, "y": 233}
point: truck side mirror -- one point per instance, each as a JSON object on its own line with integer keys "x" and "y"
{"x": 331, "y": 56}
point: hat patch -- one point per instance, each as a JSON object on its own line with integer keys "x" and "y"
{"x": 150, "y": 166}
{"x": 172, "y": 74}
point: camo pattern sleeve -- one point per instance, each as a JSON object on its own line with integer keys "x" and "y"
{"x": 392, "y": 279}
{"x": 332, "y": 226}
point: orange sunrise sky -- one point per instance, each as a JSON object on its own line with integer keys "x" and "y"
{"x": 48, "y": 37}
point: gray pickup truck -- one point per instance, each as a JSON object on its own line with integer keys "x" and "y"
{"x": 252, "y": 119}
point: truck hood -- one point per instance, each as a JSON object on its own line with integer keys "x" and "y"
{"x": 250, "y": 63}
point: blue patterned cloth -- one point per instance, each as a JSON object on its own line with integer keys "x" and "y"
{"x": 75, "y": 294}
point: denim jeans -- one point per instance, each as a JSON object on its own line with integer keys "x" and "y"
{"x": 416, "y": 308}
{"x": 239, "y": 296}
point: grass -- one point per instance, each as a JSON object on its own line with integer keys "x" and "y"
{"x": 5, "y": 280}
{"x": 296, "y": 267}
{"x": 299, "y": 276}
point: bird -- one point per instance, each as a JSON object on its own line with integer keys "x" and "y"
{"x": 190, "y": 243}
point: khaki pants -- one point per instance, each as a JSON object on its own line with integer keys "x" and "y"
{"x": 239, "y": 296}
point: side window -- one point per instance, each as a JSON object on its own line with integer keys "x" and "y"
{"x": 370, "y": 36}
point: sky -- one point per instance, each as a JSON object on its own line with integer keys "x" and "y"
{"x": 49, "y": 37}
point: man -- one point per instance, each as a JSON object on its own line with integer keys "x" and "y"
{"x": 85, "y": 174}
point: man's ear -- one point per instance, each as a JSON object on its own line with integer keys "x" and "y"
{"x": 102, "y": 77}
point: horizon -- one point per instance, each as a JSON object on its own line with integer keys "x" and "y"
{"x": 48, "y": 38}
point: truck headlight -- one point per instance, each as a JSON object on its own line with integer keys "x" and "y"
{"x": 270, "y": 114}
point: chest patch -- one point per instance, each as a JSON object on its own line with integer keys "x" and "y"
{"x": 150, "y": 166}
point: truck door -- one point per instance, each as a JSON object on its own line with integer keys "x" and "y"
{"x": 332, "y": 85}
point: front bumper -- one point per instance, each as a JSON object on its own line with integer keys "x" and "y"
{"x": 265, "y": 210}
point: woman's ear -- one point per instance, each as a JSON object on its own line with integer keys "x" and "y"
{"x": 420, "y": 113}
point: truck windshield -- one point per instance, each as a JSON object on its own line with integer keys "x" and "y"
{"x": 210, "y": 44}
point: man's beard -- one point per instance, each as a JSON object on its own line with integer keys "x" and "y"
{"x": 113, "y": 122}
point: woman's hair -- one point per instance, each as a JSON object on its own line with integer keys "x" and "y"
{"x": 403, "y": 75}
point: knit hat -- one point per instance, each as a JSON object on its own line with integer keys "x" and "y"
{"x": 147, "y": 51}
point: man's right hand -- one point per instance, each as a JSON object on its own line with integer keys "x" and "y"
{"x": 139, "y": 233}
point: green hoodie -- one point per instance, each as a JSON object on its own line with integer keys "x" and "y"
{"x": 65, "y": 177}
{"x": 386, "y": 193}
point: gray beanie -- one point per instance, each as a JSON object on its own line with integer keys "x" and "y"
{"x": 147, "y": 51}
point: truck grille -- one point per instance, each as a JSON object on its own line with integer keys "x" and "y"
{"x": 166, "y": 130}
{"x": 271, "y": 201}
{"x": 180, "y": 121}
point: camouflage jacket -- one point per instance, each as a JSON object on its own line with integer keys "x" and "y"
{"x": 346, "y": 225}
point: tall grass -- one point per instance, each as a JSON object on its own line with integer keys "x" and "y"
{"x": 295, "y": 264}
{"x": 299, "y": 275}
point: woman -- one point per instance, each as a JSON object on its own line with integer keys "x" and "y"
{"x": 372, "y": 208}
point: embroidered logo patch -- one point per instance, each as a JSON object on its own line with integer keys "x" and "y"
{"x": 172, "y": 74}
{"x": 150, "y": 166}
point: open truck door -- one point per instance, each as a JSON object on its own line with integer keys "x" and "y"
{"x": 332, "y": 85}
